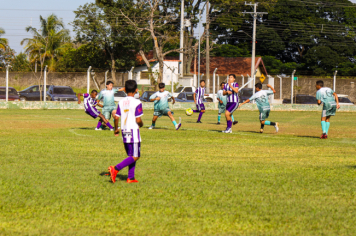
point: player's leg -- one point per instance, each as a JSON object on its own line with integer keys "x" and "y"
{"x": 154, "y": 119}
{"x": 177, "y": 126}
{"x": 105, "y": 121}
{"x": 219, "y": 118}
{"x": 262, "y": 125}
{"x": 323, "y": 124}
{"x": 228, "y": 121}
{"x": 202, "y": 111}
{"x": 327, "y": 126}
{"x": 264, "y": 115}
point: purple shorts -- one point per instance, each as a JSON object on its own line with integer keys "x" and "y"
{"x": 232, "y": 106}
{"x": 133, "y": 149}
{"x": 93, "y": 112}
{"x": 200, "y": 107}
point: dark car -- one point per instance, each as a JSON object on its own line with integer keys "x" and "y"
{"x": 245, "y": 94}
{"x": 301, "y": 99}
{"x": 12, "y": 94}
{"x": 146, "y": 96}
{"x": 187, "y": 97}
{"x": 61, "y": 93}
{"x": 32, "y": 93}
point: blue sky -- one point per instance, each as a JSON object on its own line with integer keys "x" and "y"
{"x": 16, "y": 15}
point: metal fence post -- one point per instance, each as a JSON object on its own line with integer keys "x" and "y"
{"x": 88, "y": 80}
{"x": 292, "y": 88}
{"x": 334, "y": 84}
{"x": 7, "y": 84}
{"x": 45, "y": 84}
{"x": 214, "y": 80}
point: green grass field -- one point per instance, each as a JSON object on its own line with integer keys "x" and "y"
{"x": 195, "y": 181}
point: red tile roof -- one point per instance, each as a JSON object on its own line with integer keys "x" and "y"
{"x": 230, "y": 65}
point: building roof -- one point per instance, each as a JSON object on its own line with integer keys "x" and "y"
{"x": 231, "y": 65}
{"x": 150, "y": 58}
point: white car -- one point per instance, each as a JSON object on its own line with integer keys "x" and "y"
{"x": 344, "y": 101}
{"x": 118, "y": 96}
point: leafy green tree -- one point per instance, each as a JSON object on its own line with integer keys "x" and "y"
{"x": 3, "y": 41}
{"x": 7, "y": 55}
{"x": 20, "y": 63}
{"x": 227, "y": 50}
{"x": 322, "y": 60}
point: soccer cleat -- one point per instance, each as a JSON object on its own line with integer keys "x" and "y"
{"x": 227, "y": 131}
{"x": 277, "y": 127}
{"x": 323, "y": 136}
{"x": 199, "y": 121}
{"x": 326, "y": 136}
{"x": 235, "y": 122}
{"x": 218, "y": 123}
{"x": 113, "y": 173}
{"x": 131, "y": 181}
{"x": 178, "y": 126}
{"x": 98, "y": 129}
{"x": 261, "y": 131}
{"x": 151, "y": 127}
{"x": 111, "y": 129}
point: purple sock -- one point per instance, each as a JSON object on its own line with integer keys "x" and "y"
{"x": 200, "y": 115}
{"x": 195, "y": 111}
{"x": 229, "y": 124}
{"x": 99, "y": 125}
{"x": 108, "y": 124}
{"x": 128, "y": 161}
{"x": 131, "y": 174}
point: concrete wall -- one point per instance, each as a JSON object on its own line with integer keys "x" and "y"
{"x": 176, "y": 106}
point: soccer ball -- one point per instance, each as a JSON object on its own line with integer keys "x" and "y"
{"x": 189, "y": 112}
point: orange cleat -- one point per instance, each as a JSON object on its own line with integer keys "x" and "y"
{"x": 131, "y": 181}
{"x": 113, "y": 173}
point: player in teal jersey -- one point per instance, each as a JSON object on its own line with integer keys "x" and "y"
{"x": 222, "y": 104}
{"x": 330, "y": 102}
{"x": 261, "y": 97}
{"x": 108, "y": 99}
{"x": 161, "y": 107}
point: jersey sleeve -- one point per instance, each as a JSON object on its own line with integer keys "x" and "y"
{"x": 318, "y": 95}
{"x": 153, "y": 96}
{"x": 236, "y": 85}
{"x": 95, "y": 102}
{"x": 118, "y": 111}
{"x": 196, "y": 91}
{"x": 169, "y": 95}
{"x": 253, "y": 97}
{"x": 100, "y": 96}
{"x": 86, "y": 95}
{"x": 332, "y": 91}
{"x": 270, "y": 92}
{"x": 139, "y": 111}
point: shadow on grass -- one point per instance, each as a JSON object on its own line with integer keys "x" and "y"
{"x": 307, "y": 136}
{"x": 161, "y": 128}
{"x": 254, "y": 132}
{"x": 351, "y": 167}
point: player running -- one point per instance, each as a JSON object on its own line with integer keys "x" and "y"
{"x": 261, "y": 97}
{"x": 330, "y": 102}
{"x": 161, "y": 107}
{"x": 108, "y": 99}
{"x": 231, "y": 89}
{"x": 222, "y": 103}
{"x": 130, "y": 111}
{"x": 89, "y": 106}
{"x": 198, "y": 100}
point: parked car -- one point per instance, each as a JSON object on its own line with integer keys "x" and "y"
{"x": 344, "y": 101}
{"x": 191, "y": 89}
{"x": 61, "y": 93}
{"x": 32, "y": 93}
{"x": 187, "y": 97}
{"x": 146, "y": 96}
{"x": 119, "y": 95}
{"x": 12, "y": 94}
{"x": 301, "y": 99}
{"x": 245, "y": 94}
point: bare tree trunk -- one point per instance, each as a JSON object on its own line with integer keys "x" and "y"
{"x": 113, "y": 70}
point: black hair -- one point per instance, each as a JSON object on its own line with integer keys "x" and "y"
{"x": 222, "y": 83}
{"x": 201, "y": 81}
{"x": 258, "y": 85}
{"x": 130, "y": 86}
{"x": 109, "y": 82}
{"x": 320, "y": 83}
{"x": 161, "y": 85}
{"x": 94, "y": 91}
{"x": 233, "y": 75}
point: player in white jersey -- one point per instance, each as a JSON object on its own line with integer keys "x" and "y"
{"x": 161, "y": 107}
{"x": 129, "y": 111}
{"x": 222, "y": 103}
{"x": 330, "y": 102}
{"x": 231, "y": 90}
{"x": 198, "y": 100}
{"x": 89, "y": 106}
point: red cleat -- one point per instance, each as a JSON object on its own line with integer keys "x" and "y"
{"x": 323, "y": 136}
{"x": 131, "y": 181}
{"x": 113, "y": 173}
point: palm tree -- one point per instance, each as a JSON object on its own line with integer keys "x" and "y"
{"x": 48, "y": 43}
{"x": 3, "y": 41}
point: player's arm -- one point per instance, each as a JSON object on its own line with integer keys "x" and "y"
{"x": 78, "y": 96}
{"x": 337, "y": 100}
{"x": 195, "y": 101}
{"x": 270, "y": 86}
{"x": 139, "y": 121}
{"x": 173, "y": 100}
{"x": 98, "y": 104}
{"x": 225, "y": 93}
{"x": 235, "y": 89}
{"x": 247, "y": 101}
{"x": 122, "y": 89}
{"x": 220, "y": 101}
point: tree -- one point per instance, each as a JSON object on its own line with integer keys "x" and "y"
{"x": 3, "y": 41}
{"x": 47, "y": 43}
{"x": 96, "y": 25}
{"x": 20, "y": 63}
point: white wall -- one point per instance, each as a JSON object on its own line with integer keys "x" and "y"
{"x": 167, "y": 72}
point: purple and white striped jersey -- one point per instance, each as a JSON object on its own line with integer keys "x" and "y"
{"x": 199, "y": 95}
{"x": 234, "y": 96}
{"x": 89, "y": 102}
{"x": 129, "y": 109}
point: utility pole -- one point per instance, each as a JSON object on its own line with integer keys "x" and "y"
{"x": 254, "y": 14}
{"x": 181, "y": 37}
{"x": 199, "y": 51}
{"x": 207, "y": 59}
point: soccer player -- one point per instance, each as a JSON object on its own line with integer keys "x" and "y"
{"x": 198, "y": 100}
{"x": 231, "y": 89}
{"x": 108, "y": 99}
{"x": 161, "y": 107}
{"x": 89, "y": 105}
{"x": 330, "y": 102}
{"x": 261, "y": 97}
{"x": 222, "y": 103}
{"x": 129, "y": 110}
